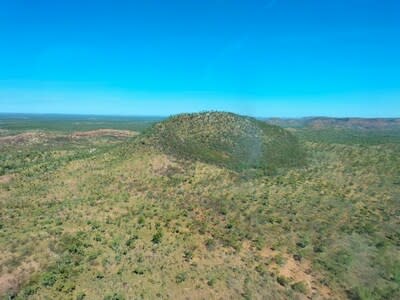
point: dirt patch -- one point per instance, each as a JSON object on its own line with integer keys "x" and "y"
{"x": 36, "y": 137}
{"x": 104, "y": 132}
{"x": 161, "y": 165}
{"x": 6, "y": 179}
{"x": 11, "y": 282}
{"x": 25, "y": 138}
{"x": 298, "y": 271}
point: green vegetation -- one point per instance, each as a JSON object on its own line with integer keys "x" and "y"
{"x": 300, "y": 287}
{"x": 347, "y": 131}
{"x": 132, "y": 220}
{"x": 17, "y": 123}
{"x": 228, "y": 140}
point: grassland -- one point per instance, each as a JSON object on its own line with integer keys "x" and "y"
{"x": 134, "y": 220}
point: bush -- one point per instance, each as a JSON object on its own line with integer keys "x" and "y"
{"x": 131, "y": 240}
{"x": 141, "y": 220}
{"x": 80, "y": 296}
{"x": 157, "y": 237}
{"x": 280, "y": 260}
{"x": 138, "y": 271}
{"x": 114, "y": 296}
{"x": 48, "y": 279}
{"x": 188, "y": 255}
{"x": 30, "y": 290}
{"x": 211, "y": 281}
{"x": 262, "y": 270}
{"x": 181, "y": 277}
{"x": 300, "y": 287}
{"x": 210, "y": 244}
{"x": 282, "y": 280}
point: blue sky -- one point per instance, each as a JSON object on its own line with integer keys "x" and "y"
{"x": 268, "y": 58}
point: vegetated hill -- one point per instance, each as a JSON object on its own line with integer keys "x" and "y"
{"x": 229, "y": 140}
{"x": 127, "y": 221}
{"x": 339, "y": 123}
{"x": 343, "y": 130}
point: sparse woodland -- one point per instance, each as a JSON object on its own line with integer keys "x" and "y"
{"x": 189, "y": 210}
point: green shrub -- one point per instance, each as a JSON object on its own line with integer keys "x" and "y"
{"x": 211, "y": 281}
{"x": 282, "y": 280}
{"x": 80, "y": 296}
{"x": 180, "y": 277}
{"x": 300, "y": 287}
{"x": 131, "y": 240}
{"x": 141, "y": 220}
{"x": 114, "y": 296}
{"x": 188, "y": 254}
{"x": 48, "y": 279}
{"x": 30, "y": 290}
{"x": 157, "y": 237}
{"x": 262, "y": 270}
{"x": 280, "y": 260}
{"x": 138, "y": 271}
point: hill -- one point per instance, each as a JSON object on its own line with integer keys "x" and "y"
{"x": 228, "y": 140}
{"x": 339, "y": 123}
{"x": 372, "y": 131}
{"x": 100, "y": 217}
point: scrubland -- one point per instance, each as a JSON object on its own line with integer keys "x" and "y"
{"x": 177, "y": 212}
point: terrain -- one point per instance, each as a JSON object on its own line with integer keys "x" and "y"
{"x": 184, "y": 208}
{"x": 228, "y": 140}
{"x": 372, "y": 131}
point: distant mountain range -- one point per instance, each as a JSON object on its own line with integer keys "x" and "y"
{"x": 339, "y": 123}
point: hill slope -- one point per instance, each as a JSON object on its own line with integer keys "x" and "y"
{"x": 229, "y": 140}
{"x": 127, "y": 221}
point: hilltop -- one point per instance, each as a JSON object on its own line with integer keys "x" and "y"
{"x": 229, "y": 140}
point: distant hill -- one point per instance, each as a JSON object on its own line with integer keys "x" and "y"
{"x": 227, "y": 139}
{"x": 339, "y": 123}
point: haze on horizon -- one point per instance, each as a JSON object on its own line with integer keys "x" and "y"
{"x": 263, "y": 58}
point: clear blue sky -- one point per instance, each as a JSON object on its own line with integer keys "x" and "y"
{"x": 284, "y": 58}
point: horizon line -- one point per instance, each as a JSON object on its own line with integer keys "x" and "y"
{"x": 169, "y": 115}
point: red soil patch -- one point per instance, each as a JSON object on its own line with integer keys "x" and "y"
{"x": 298, "y": 271}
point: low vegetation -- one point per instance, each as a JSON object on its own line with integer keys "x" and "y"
{"x": 135, "y": 219}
